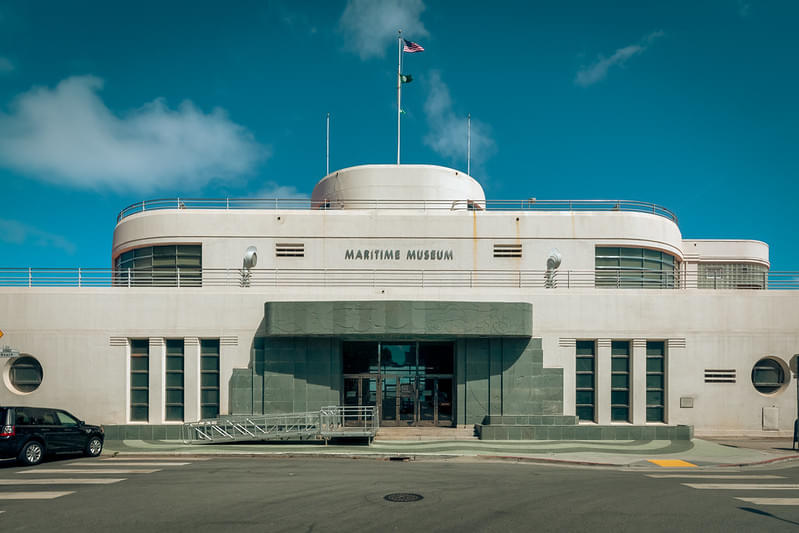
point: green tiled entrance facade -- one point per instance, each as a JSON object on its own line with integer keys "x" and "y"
{"x": 498, "y": 367}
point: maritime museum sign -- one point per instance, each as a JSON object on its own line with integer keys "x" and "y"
{"x": 413, "y": 254}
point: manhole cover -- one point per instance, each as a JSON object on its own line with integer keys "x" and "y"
{"x": 403, "y": 497}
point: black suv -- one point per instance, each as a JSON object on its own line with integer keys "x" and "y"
{"x": 28, "y": 433}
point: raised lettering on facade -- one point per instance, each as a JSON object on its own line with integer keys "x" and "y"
{"x": 413, "y": 254}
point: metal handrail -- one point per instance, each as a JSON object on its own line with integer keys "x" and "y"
{"x": 326, "y": 423}
{"x": 531, "y": 204}
{"x": 522, "y": 279}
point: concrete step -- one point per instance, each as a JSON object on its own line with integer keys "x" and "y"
{"x": 426, "y": 433}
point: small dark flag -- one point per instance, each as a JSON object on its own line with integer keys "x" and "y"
{"x": 406, "y": 78}
{"x": 411, "y": 47}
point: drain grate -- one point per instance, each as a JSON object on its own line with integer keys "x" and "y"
{"x": 402, "y": 497}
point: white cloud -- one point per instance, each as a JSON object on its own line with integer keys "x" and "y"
{"x": 6, "y": 65}
{"x": 273, "y": 190}
{"x": 15, "y": 232}
{"x": 596, "y": 72}
{"x": 370, "y": 26}
{"x": 68, "y": 135}
{"x": 447, "y": 130}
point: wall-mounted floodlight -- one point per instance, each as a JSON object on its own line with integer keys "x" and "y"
{"x": 553, "y": 262}
{"x": 250, "y": 257}
{"x": 249, "y": 262}
{"x": 554, "y": 259}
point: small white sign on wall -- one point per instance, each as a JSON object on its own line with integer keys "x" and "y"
{"x": 8, "y": 352}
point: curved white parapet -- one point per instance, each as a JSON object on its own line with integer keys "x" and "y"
{"x": 397, "y": 186}
{"x": 726, "y": 251}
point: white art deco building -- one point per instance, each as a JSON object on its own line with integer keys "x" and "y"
{"x": 403, "y": 287}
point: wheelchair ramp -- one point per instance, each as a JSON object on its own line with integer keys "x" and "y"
{"x": 324, "y": 424}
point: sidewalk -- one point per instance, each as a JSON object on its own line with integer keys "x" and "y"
{"x": 728, "y": 452}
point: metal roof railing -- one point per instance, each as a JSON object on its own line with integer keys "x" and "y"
{"x": 271, "y": 278}
{"x": 531, "y": 204}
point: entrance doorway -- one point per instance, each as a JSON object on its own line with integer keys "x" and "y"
{"x": 410, "y": 383}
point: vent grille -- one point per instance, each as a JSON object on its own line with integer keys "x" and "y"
{"x": 719, "y": 376}
{"x": 507, "y": 250}
{"x": 229, "y": 340}
{"x": 290, "y": 249}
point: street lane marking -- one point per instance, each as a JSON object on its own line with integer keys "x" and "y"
{"x": 714, "y": 476}
{"x": 44, "y": 495}
{"x": 90, "y": 471}
{"x": 62, "y": 481}
{"x": 771, "y": 501}
{"x": 671, "y": 463}
{"x": 85, "y": 464}
{"x": 743, "y": 486}
{"x": 155, "y": 458}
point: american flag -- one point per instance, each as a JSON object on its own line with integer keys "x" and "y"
{"x": 412, "y": 47}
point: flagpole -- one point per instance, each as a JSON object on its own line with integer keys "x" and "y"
{"x": 469, "y": 144}
{"x": 327, "y": 147}
{"x": 399, "y": 90}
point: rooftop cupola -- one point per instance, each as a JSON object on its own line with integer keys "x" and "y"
{"x": 399, "y": 186}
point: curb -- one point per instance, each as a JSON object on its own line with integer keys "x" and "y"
{"x": 766, "y": 462}
{"x": 545, "y": 460}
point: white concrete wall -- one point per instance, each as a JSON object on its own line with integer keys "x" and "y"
{"x": 350, "y": 187}
{"x": 726, "y": 251}
{"x": 71, "y": 332}
{"x": 471, "y": 235}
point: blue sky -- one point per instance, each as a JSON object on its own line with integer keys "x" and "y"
{"x": 691, "y": 105}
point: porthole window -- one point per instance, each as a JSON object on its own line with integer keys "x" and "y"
{"x": 25, "y": 374}
{"x": 769, "y": 375}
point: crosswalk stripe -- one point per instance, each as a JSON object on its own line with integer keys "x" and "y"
{"x": 62, "y": 481}
{"x": 771, "y": 501}
{"x": 84, "y": 463}
{"x": 44, "y": 495}
{"x": 743, "y": 486}
{"x": 714, "y": 476}
{"x": 90, "y": 471}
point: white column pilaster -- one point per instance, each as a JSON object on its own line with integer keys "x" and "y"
{"x": 157, "y": 356}
{"x": 602, "y": 395}
{"x": 638, "y": 382}
{"x": 191, "y": 379}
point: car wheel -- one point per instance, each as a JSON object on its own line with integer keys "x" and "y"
{"x": 32, "y": 453}
{"x": 94, "y": 447}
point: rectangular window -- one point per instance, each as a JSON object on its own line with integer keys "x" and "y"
{"x": 174, "y": 379}
{"x": 209, "y": 378}
{"x": 619, "y": 267}
{"x": 166, "y": 265}
{"x": 586, "y": 365}
{"x": 655, "y": 381}
{"x": 732, "y": 276}
{"x": 139, "y": 380}
{"x": 620, "y": 381}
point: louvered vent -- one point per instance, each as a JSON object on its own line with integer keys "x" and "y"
{"x": 719, "y": 376}
{"x": 290, "y": 249}
{"x": 507, "y": 250}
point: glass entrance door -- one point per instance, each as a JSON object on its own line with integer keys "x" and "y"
{"x": 410, "y": 382}
{"x": 359, "y": 391}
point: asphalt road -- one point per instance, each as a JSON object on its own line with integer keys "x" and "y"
{"x": 279, "y": 494}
